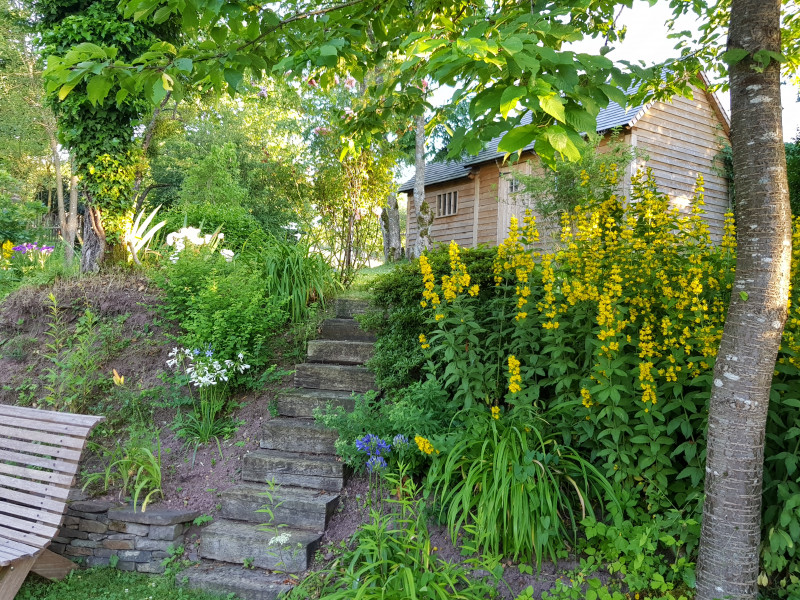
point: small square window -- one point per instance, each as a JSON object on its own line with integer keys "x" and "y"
{"x": 446, "y": 204}
{"x": 513, "y": 185}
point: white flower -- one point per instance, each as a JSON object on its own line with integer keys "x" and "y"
{"x": 279, "y": 539}
{"x": 241, "y": 356}
{"x": 227, "y": 254}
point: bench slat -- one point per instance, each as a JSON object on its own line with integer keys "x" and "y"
{"x": 29, "y": 539}
{"x": 45, "y": 531}
{"x": 12, "y": 547}
{"x": 49, "y": 476}
{"x": 34, "y": 501}
{"x": 39, "y": 436}
{"x": 50, "y": 416}
{"x": 69, "y": 467}
{"x": 40, "y": 449}
{"x": 33, "y": 424}
{"x": 50, "y": 491}
{"x": 45, "y": 516}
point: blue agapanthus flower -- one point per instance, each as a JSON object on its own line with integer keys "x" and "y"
{"x": 400, "y": 440}
{"x": 196, "y": 351}
{"x": 376, "y": 463}
{"x": 372, "y": 445}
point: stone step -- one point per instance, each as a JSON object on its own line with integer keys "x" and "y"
{"x": 245, "y": 584}
{"x": 341, "y": 378}
{"x": 298, "y": 508}
{"x": 323, "y": 472}
{"x": 347, "y": 308}
{"x": 236, "y": 542}
{"x": 339, "y": 352}
{"x": 344, "y": 329}
{"x": 301, "y": 402}
{"x": 297, "y": 435}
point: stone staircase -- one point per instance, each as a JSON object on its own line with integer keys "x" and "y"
{"x": 298, "y": 456}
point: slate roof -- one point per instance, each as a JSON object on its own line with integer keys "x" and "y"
{"x": 610, "y": 117}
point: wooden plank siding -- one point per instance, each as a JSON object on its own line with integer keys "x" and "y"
{"x": 681, "y": 138}
{"x": 456, "y": 227}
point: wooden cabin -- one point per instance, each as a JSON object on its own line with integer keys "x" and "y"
{"x": 474, "y": 200}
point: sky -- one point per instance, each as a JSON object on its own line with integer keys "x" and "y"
{"x": 646, "y": 40}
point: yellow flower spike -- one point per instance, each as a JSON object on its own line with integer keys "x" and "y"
{"x": 424, "y": 445}
{"x": 514, "y": 378}
{"x": 118, "y": 379}
{"x": 495, "y": 412}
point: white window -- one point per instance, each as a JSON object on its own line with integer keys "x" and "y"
{"x": 514, "y": 185}
{"x": 446, "y": 204}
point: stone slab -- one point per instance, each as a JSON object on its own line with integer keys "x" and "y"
{"x": 298, "y": 508}
{"x": 322, "y": 472}
{"x": 234, "y": 542}
{"x": 347, "y": 308}
{"x": 153, "y": 516}
{"x": 92, "y": 506}
{"x": 297, "y": 435}
{"x": 246, "y": 584}
{"x": 302, "y": 402}
{"x": 344, "y": 378}
{"x": 339, "y": 352}
{"x": 344, "y": 329}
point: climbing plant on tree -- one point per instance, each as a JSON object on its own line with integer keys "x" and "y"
{"x": 98, "y": 129}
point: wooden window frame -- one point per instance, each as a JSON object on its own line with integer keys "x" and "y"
{"x": 447, "y": 203}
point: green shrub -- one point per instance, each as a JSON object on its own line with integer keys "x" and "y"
{"x": 416, "y": 410}
{"x": 15, "y": 214}
{"x": 511, "y": 487}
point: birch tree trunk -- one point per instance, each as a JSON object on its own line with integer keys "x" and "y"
{"x": 390, "y": 228}
{"x": 422, "y": 212}
{"x": 62, "y": 217}
{"x": 728, "y": 563}
{"x": 71, "y": 222}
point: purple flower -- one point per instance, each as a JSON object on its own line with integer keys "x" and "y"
{"x": 376, "y": 463}
{"x": 372, "y": 445}
{"x": 196, "y": 351}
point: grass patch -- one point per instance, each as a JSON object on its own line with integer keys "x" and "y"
{"x": 365, "y": 278}
{"x": 108, "y": 584}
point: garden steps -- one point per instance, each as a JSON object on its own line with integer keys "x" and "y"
{"x": 298, "y": 458}
{"x": 299, "y": 508}
{"x": 342, "y": 378}
{"x": 239, "y": 543}
{"x": 339, "y": 352}
{"x": 246, "y": 584}
{"x": 302, "y": 402}
{"x": 347, "y": 330}
{"x": 292, "y": 434}
{"x": 317, "y": 471}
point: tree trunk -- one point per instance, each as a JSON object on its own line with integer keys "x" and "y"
{"x": 422, "y": 212}
{"x": 62, "y": 218}
{"x": 728, "y": 563}
{"x": 71, "y": 219}
{"x": 93, "y": 250}
{"x": 390, "y": 228}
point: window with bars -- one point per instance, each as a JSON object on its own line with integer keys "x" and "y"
{"x": 446, "y": 204}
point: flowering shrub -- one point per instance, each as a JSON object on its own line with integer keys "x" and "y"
{"x": 612, "y": 339}
{"x": 29, "y": 257}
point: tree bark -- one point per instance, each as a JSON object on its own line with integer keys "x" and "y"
{"x": 93, "y": 250}
{"x": 728, "y": 563}
{"x": 422, "y": 212}
{"x": 390, "y": 228}
{"x": 71, "y": 219}
{"x": 62, "y": 217}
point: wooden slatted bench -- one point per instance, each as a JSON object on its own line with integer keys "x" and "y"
{"x": 39, "y": 455}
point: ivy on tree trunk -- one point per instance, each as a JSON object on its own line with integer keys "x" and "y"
{"x": 728, "y": 564}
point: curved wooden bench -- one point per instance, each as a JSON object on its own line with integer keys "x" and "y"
{"x": 39, "y": 455}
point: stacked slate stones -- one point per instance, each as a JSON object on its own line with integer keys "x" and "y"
{"x": 298, "y": 456}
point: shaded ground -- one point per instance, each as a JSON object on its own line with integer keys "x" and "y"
{"x": 140, "y": 347}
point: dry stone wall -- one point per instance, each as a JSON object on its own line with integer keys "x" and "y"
{"x": 95, "y": 530}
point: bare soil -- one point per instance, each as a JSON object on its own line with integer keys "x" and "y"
{"x": 192, "y": 479}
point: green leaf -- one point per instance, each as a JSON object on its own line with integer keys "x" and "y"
{"x": 510, "y": 98}
{"x": 65, "y": 89}
{"x": 162, "y": 14}
{"x": 614, "y": 94}
{"x": 517, "y": 138}
{"x": 512, "y": 45}
{"x": 553, "y": 105}
{"x": 183, "y": 64}
{"x": 233, "y": 78}
{"x": 744, "y": 296}
{"x": 733, "y": 56}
